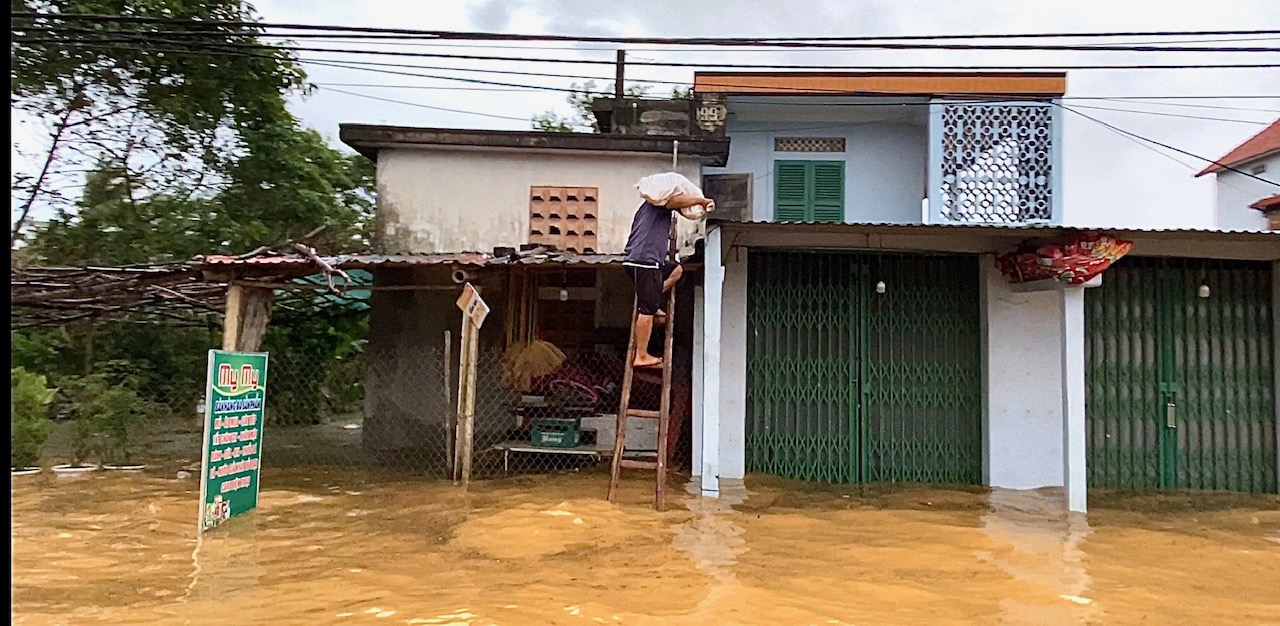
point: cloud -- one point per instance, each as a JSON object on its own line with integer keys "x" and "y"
{"x": 493, "y": 15}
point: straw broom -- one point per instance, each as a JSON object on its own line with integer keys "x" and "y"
{"x": 528, "y": 357}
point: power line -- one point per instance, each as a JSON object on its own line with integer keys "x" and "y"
{"x": 1182, "y": 104}
{"x": 358, "y": 65}
{"x": 1173, "y": 158}
{"x": 399, "y": 40}
{"x": 511, "y": 59}
{"x": 846, "y": 46}
{"x": 1163, "y": 114}
{"x": 1167, "y": 146}
{"x": 490, "y": 36}
{"x": 1146, "y": 100}
{"x": 424, "y": 106}
{"x": 426, "y": 87}
{"x": 223, "y": 48}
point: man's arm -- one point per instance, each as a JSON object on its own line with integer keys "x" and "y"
{"x": 684, "y": 201}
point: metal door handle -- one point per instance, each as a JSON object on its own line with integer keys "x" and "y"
{"x": 1171, "y": 415}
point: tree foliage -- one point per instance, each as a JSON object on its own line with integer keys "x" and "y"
{"x": 289, "y": 184}
{"x": 136, "y": 95}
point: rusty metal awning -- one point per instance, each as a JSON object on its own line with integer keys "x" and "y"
{"x": 288, "y": 264}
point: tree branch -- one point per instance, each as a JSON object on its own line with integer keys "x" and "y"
{"x": 44, "y": 175}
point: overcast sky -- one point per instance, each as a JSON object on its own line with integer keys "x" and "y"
{"x": 1110, "y": 179}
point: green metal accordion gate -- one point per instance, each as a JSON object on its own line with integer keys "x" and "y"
{"x": 848, "y": 382}
{"x": 1181, "y": 389}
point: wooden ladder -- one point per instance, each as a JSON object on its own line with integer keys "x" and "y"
{"x": 663, "y": 414}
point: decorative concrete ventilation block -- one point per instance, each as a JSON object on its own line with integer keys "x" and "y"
{"x": 564, "y": 217}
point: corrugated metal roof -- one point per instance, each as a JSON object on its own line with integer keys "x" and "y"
{"x": 1047, "y": 228}
{"x": 361, "y": 261}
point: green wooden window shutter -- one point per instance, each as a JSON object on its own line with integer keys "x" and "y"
{"x": 828, "y": 191}
{"x": 808, "y": 191}
{"x": 790, "y": 199}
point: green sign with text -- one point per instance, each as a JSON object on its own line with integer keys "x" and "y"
{"x": 235, "y": 401}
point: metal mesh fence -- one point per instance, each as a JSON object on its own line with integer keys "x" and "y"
{"x": 336, "y": 404}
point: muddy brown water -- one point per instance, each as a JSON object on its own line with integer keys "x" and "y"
{"x": 344, "y": 548}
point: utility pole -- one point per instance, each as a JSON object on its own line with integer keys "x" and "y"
{"x": 619, "y": 91}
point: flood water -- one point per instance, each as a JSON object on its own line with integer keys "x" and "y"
{"x": 344, "y": 548}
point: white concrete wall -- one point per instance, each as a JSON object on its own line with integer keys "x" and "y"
{"x": 471, "y": 200}
{"x": 1023, "y": 419}
{"x": 1236, "y": 192}
{"x": 885, "y": 165}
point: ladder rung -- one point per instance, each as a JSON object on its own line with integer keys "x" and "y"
{"x": 644, "y": 413}
{"x": 638, "y": 464}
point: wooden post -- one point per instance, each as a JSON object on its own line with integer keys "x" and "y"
{"x": 461, "y": 458}
{"x": 469, "y": 414}
{"x": 474, "y": 311}
{"x": 256, "y": 313}
{"x": 451, "y": 421}
{"x": 619, "y": 90}
{"x": 231, "y": 321}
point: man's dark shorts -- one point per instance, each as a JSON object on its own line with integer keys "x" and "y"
{"x": 648, "y": 282}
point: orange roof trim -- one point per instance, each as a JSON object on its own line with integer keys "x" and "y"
{"x": 1267, "y": 205}
{"x": 880, "y": 83}
{"x": 1265, "y": 142}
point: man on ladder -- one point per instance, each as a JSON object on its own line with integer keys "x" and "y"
{"x": 651, "y": 269}
{"x": 650, "y": 261}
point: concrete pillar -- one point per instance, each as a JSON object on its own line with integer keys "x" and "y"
{"x": 1275, "y": 348}
{"x": 712, "y": 305}
{"x": 1022, "y": 382}
{"x": 733, "y": 366}
{"x": 1073, "y": 398}
{"x": 699, "y": 313}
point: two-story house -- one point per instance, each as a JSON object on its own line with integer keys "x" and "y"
{"x": 1248, "y": 183}
{"x": 856, "y": 327}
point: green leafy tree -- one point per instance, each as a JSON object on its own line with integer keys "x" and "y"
{"x": 106, "y": 410}
{"x": 30, "y": 417}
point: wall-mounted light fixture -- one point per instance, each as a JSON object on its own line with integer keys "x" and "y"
{"x": 880, "y": 287}
{"x": 1204, "y": 291}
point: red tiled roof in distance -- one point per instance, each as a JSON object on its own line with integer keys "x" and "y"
{"x": 1267, "y": 204}
{"x": 1262, "y": 143}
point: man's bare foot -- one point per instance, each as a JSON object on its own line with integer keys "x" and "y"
{"x": 646, "y": 360}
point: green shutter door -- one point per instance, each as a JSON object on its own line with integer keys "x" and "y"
{"x": 845, "y": 384}
{"x": 924, "y": 398}
{"x": 1181, "y": 393}
{"x": 803, "y": 313}
{"x": 791, "y": 191}
{"x": 808, "y": 191}
{"x": 828, "y": 191}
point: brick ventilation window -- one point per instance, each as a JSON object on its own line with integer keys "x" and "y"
{"x": 808, "y": 144}
{"x": 564, "y": 217}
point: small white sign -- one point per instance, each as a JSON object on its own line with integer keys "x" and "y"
{"x": 472, "y": 305}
